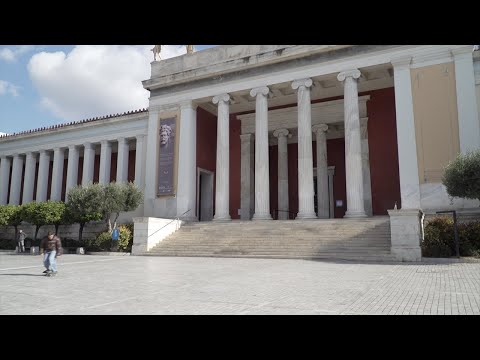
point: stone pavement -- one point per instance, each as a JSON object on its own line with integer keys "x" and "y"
{"x": 173, "y": 285}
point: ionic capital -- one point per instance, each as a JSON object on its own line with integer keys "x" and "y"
{"x": 354, "y": 73}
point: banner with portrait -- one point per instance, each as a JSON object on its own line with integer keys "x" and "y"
{"x": 167, "y": 140}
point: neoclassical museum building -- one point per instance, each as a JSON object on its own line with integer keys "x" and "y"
{"x": 273, "y": 133}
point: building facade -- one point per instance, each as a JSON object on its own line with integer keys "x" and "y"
{"x": 267, "y": 132}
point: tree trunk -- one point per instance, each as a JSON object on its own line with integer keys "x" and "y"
{"x": 115, "y": 222}
{"x": 56, "y": 229}
{"x": 37, "y": 227}
{"x": 109, "y": 225}
{"x": 16, "y": 232}
{"x": 80, "y": 232}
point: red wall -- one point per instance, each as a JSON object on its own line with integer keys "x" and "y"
{"x": 383, "y": 159}
{"x": 113, "y": 167}
{"x": 235, "y": 166}
{"x": 336, "y": 157}
{"x": 131, "y": 166}
{"x": 207, "y": 154}
{"x": 207, "y": 143}
{"x": 64, "y": 180}
{"x": 382, "y": 139}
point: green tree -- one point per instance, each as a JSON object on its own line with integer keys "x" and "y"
{"x": 113, "y": 199}
{"x": 119, "y": 198}
{"x": 132, "y": 198}
{"x": 462, "y": 176}
{"x": 64, "y": 219}
{"x": 84, "y": 205}
{"x": 11, "y": 215}
{"x": 43, "y": 213}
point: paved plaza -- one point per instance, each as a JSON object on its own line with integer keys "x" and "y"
{"x": 168, "y": 285}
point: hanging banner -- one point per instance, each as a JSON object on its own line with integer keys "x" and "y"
{"x": 167, "y": 140}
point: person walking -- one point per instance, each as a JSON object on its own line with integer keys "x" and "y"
{"x": 21, "y": 241}
{"x": 51, "y": 246}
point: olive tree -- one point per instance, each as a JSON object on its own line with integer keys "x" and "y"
{"x": 117, "y": 198}
{"x": 462, "y": 176}
{"x": 43, "y": 213}
{"x": 84, "y": 205}
{"x": 11, "y": 215}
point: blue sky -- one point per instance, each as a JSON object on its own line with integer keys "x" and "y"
{"x": 43, "y": 85}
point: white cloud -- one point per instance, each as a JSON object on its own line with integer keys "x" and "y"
{"x": 10, "y": 55}
{"x": 8, "y": 88}
{"x": 95, "y": 80}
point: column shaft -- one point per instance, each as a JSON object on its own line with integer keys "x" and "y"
{"x": 42, "y": 181}
{"x": 5, "y": 164}
{"x": 57, "y": 174}
{"x": 262, "y": 176}
{"x": 29, "y": 178}
{"x": 353, "y": 149}
{"x": 323, "y": 197}
{"x": 16, "y": 180}
{"x": 72, "y": 168}
{"x": 88, "y": 163}
{"x": 222, "y": 183}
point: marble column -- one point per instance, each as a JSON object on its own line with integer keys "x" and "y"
{"x": 353, "y": 149}
{"x": 122, "y": 160}
{"x": 187, "y": 162}
{"x": 306, "y": 206}
{"x": 283, "y": 206}
{"x": 72, "y": 168}
{"x": 139, "y": 162}
{"x": 262, "y": 176}
{"x": 29, "y": 178}
{"x": 323, "y": 197}
{"x": 42, "y": 181}
{"x": 5, "y": 163}
{"x": 57, "y": 174}
{"x": 406, "y": 139}
{"x": 16, "y": 183}
{"x": 367, "y": 181}
{"x": 105, "y": 162}
{"x": 331, "y": 173}
{"x": 88, "y": 163}
{"x": 468, "y": 118}
{"x": 222, "y": 183}
{"x": 247, "y": 177}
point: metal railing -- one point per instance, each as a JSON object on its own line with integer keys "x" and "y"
{"x": 455, "y": 229}
{"x": 176, "y": 219}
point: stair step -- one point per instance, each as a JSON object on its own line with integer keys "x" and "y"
{"x": 359, "y": 239}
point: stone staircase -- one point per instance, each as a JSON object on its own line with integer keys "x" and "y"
{"x": 344, "y": 239}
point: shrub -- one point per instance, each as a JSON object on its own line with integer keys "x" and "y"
{"x": 461, "y": 177}
{"x": 439, "y": 239}
{"x": 125, "y": 238}
{"x": 7, "y": 244}
{"x": 103, "y": 242}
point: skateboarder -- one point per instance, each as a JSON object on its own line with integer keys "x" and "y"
{"x": 52, "y": 247}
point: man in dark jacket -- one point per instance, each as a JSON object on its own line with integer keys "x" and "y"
{"x": 52, "y": 247}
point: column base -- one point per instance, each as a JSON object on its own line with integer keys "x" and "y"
{"x": 406, "y": 228}
{"x": 306, "y": 216}
{"x": 262, "y": 217}
{"x": 407, "y": 254}
{"x": 222, "y": 218}
{"x": 355, "y": 214}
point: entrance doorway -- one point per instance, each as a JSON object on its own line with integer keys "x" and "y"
{"x": 204, "y": 195}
